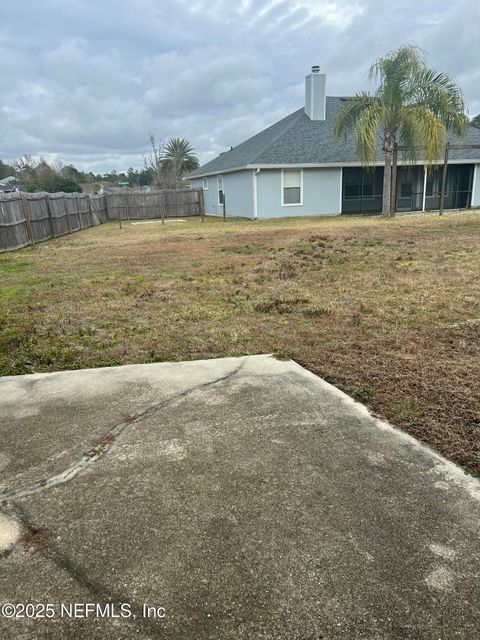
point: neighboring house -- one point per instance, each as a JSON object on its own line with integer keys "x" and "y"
{"x": 298, "y": 167}
{"x": 8, "y": 184}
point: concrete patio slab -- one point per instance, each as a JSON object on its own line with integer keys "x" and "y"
{"x": 235, "y": 498}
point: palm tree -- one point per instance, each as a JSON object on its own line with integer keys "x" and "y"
{"x": 413, "y": 106}
{"x": 168, "y": 161}
{"x": 179, "y": 155}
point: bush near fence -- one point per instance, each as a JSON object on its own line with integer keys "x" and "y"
{"x": 27, "y": 218}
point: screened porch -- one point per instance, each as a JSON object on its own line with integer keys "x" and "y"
{"x": 417, "y": 189}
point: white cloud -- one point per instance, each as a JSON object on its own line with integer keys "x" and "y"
{"x": 86, "y": 81}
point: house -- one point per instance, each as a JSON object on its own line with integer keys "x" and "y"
{"x": 298, "y": 167}
{"x": 8, "y": 184}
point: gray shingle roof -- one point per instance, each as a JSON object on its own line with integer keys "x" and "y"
{"x": 298, "y": 140}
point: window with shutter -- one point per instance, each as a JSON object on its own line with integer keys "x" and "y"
{"x": 292, "y": 187}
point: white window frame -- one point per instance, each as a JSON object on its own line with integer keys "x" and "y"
{"x": 220, "y": 178}
{"x": 205, "y": 184}
{"x": 292, "y": 204}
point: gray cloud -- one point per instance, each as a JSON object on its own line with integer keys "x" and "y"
{"x": 87, "y": 81}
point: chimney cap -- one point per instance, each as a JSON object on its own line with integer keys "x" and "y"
{"x": 316, "y": 68}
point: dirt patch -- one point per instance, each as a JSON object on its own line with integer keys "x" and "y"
{"x": 35, "y": 538}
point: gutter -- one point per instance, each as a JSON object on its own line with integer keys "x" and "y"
{"x": 325, "y": 165}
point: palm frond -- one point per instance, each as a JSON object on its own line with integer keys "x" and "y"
{"x": 350, "y": 113}
{"x": 178, "y": 154}
{"x": 395, "y": 72}
{"x": 407, "y": 136}
{"x": 440, "y": 93}
{"x": 368, "y": 124}
{"x": 398, "y": 62}
{"x": 427, "y": 129}
{"x": 177, "y": 147}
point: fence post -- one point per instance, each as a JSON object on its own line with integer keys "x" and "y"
{"x": 119, "y": 218}
{"x": 28, "y": 222}
{"x": 49, "y": 213}
{"x": 201, "y": 204}
{"x": 444, "y": 180}
{"x": 65, "y": 208}
{"x": 224, "y": 207}
{"x": 163, "y": 206}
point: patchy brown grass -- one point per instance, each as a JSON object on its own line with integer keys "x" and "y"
{"x": 387, "y": 310}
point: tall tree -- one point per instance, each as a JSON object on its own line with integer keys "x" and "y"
{"x": 154, "y": 163}
{"x": 413, "y": 105}
{"x": 169, "y": 161}
{"x": 132, "y": 176}
{"x": 6, "y": 170}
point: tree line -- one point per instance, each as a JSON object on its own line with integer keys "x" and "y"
{"x": 165, "y": 166}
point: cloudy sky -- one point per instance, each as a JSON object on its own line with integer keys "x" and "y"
{"x": 85, "y": 81}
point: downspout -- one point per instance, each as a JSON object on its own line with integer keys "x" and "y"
{"x": 255, "y": 198}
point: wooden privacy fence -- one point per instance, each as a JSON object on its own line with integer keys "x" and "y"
{"x": 141, "y": 205}
{"x": 28, "y": 218}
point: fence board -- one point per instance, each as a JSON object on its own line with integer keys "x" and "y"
{"x": 59, "y": 217}
{"x": 38, "y": 212}
{"x": 71, "y": 204}
{"x": 99, "y": 209}
{"x": 48, "y": 215}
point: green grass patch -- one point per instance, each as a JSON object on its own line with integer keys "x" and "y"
{"x": 13, "y": 266}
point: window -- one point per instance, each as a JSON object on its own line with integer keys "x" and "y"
{"x": 205, "y": 184}
{"x": 220, "y": 189}
{"x": 291, "y": 187}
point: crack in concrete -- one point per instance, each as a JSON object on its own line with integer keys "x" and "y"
{"x": 98, "y": 451}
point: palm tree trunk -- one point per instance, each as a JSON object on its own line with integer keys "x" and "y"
{"x": 387, "y": 184}
{"x": 389, "y": 137}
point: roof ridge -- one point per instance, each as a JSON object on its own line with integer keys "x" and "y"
{"x": 278, "y": 136}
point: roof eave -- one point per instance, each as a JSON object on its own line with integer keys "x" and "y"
{"x": 320, "y": 165}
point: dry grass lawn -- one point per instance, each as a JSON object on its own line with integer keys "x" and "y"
{"x": 387, "y": 310}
